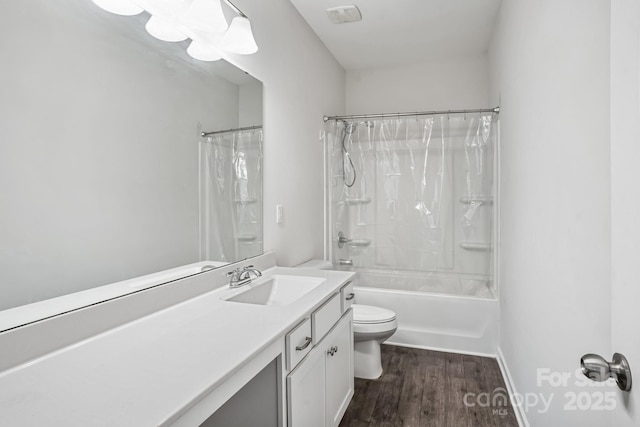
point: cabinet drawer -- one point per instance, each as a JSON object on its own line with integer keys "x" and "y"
{"x": 323, "y": 319}
{"x": 298, "y": 343}
{"x": 347, "y": 296}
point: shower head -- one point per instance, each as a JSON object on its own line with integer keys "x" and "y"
{"x": 349, "y": 128}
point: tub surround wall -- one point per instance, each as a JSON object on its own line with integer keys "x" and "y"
{"x": 550, "y": 72}
{"x": 451, "y": 184}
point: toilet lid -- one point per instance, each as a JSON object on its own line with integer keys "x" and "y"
{"x": 371, "y": 314}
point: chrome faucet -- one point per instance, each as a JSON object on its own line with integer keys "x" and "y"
{"x": 249, "y": 270}
{"x": 242, "y": 277}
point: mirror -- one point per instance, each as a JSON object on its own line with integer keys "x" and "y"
{"x": 101, "y": 150}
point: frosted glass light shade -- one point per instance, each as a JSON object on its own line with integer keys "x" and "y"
{"x": 164, "y": 30}
{"x": 239, "y": 37}
{"x": 205, "y": 15}
{"x": 202, "y": 21}
{"x": 119, "y": 7}
{"x": 203, "y": 52}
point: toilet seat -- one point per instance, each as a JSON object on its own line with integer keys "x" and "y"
{"x": 368, "y": 315}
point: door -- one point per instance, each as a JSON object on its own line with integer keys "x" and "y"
{"x": 625, "y": 199}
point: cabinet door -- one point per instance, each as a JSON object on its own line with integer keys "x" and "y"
{"x": 305, "y": 392}
{"x": 339, "y": 371}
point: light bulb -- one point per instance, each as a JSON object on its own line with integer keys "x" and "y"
{"x": 119, "y": 7}
{"x": 239, "y": 37}
{"x": 164, "y": 30}
{"x": 203, "y": 52}
{"x": 205, "y": 15}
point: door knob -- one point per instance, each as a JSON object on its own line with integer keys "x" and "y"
{"x": 596, "y": 368}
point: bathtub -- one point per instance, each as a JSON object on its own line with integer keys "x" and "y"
{"x": 435, "y": 312}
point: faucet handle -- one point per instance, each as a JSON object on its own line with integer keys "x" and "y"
{"x": 249, "y": 270}
{"x": 234, "y": 273}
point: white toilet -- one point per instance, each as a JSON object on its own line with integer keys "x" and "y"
{"x": 371, "y": 327}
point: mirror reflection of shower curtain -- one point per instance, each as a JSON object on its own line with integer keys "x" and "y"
{"x": 422, "y": 199}
{"x": 231, "y": 195}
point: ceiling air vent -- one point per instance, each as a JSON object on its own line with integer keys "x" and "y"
{"x": 343, "y": 14}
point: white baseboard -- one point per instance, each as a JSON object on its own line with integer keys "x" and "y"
{"x": 390, "y": 341}
{"x": 508, "y": 380}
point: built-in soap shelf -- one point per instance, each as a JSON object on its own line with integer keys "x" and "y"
{"x": 358, "y": 201}
{"x": 478, "y": 199}
{"x": 247, "y": 238}
{"x": 245, "y": 201}
{"x": 475, "y": 246}
{"x": 359, "y": 242}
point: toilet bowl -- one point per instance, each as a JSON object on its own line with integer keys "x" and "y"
{"x": 371, "y": 327}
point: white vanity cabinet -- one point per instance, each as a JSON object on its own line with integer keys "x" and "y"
{"x": 320, "y": 387}
{"x": 221, "y": 356}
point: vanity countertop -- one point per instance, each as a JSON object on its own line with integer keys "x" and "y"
{"x": 150, "y": 371}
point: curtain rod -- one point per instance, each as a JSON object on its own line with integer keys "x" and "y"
{"x": 230, "y": 130}
{"x": 417, "y": 113}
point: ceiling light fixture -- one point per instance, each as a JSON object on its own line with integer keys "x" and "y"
{"x": 202, "y": 21}
{"x": 119, "y": 7}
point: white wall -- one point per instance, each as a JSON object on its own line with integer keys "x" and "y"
{"x": 302, "y": 83}
{"x": 446, "y": 84}
{"x": 251, "y": 113}
{"x": 550, "y": 70}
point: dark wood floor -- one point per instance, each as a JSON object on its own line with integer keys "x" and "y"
{"x": 428, "y": 388}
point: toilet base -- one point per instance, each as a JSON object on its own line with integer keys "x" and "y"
{"x": 367, "y": 361}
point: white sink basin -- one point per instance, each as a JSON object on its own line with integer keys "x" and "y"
{"x": 277, "y": 290}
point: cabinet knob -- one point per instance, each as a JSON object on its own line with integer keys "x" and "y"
{"x": 333, "y": 350}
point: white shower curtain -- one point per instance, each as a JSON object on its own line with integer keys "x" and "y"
{"x": 231, "y": 195}
{"x": 413, "y": 193}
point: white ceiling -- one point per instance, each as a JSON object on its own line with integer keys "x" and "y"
{"x": 403, "y": 32}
